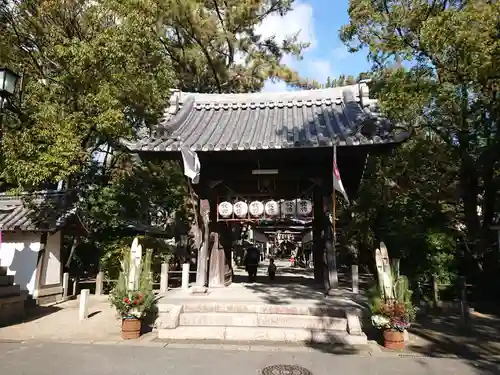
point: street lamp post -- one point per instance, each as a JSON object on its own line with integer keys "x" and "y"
{"x": 8, "y": 83}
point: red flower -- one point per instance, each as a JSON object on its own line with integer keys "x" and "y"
{"x": 126, "y": 300}
{"x": 135, "y": 302}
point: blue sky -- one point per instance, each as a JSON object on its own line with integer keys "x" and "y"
{"x": 319, "y": 22}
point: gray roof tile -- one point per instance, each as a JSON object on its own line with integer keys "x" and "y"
{"x": 31, "y": 212}
{"x": 227, "y": 122}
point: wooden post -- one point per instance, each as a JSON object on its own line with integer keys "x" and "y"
{"x": 435, "y": 291}
{"x": 65, "y": 285}
{"x": 99, "y": 283}
{"x": 164, "y": 278}
{"x": 185, "y": 276}
{"x": 203, "y": 253}
{"x": 76, "y": 280}
{"x": 83, "y": 310}
{"x": 318, "y": 239}
{"x": 355, "y": 278}
{"x": 464, "y": 306}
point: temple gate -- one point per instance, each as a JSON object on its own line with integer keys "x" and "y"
{"x": 260, "y": 150}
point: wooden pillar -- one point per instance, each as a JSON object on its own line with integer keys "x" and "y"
{"x": 226, "y": 242}
{"x": 318, "y": 244}
{"x": 217, "y": 259}
{"x": 332, "y": 278}
{"x": 201, "y": 271}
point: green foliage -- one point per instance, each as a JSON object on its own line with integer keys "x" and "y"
{"x": 114, "y": 250}
{"x": 95, "y": 72}
{"x": 434, "y": 69}
{"x": 375, "y": 300}
{"x": 215, "y": 45}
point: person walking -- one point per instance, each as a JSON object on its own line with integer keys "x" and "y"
{"x": 252, "y": 258}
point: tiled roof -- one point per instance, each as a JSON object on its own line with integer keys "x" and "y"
{"x": 314, "y": 118}
{"x": 31, "y": 212}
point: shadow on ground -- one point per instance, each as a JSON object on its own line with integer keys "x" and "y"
{"x": 37, "y": 312}
{"x": 32, "y": 313}
{"x": 440, "y": 334}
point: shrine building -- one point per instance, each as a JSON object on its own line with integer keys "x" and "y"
{"x": 269, "y": 157}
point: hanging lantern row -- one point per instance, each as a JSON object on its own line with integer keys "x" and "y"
{"x": 270, "y": 208}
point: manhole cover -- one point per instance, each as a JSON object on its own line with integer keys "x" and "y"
{"x": 285, "y": 370}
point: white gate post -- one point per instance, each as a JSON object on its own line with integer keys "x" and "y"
{"x": 185, "y": 276}
{"x": 164, "y": 278}
{"x": 83, "y": 310}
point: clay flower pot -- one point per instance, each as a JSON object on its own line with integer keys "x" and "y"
{"x": 394, "y": 340}
{"x": 131, "y": 328}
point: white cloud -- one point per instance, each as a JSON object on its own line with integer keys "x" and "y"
{"x": 278, "y": 86}
{"x": 299, "y": 20}
{"x": 319, "y": 70}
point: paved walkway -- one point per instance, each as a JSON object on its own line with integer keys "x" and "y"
{"x": 49, "y": 359}
{"x": 60, "y": 322}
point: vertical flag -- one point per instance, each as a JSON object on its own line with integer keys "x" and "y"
{"x": 192, "y": 166}
{"x": 337, "y": 181}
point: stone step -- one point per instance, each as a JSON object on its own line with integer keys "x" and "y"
{"x": 12, "y": 309}
{"x": 263, "y": 320}
{"x": 10, "y": 290}
{"x": 3, "y": 271}
{"x": 242, "y": 307}
{"x": 6, "y": 280}
{"x": 273, "y": 334}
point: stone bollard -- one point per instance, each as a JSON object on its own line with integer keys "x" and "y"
{"x": 83, "y": 310}
{"x": 164, "y": 278}
{"x": 65, "y": 284}
{"x": 76, "y": 280}
{"x": 99, "y": 283}
{"x": 185, "y": 276}
{"x": 355, "y": 278}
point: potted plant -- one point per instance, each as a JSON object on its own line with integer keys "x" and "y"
{"x": 133, "y": 295}
{"x": 393, "y": 318}
{"x": 390, "y": 301}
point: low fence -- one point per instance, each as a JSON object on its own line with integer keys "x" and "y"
{"x": 99, "y": 285}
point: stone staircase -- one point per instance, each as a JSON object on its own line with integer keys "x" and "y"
{"x": 12, "y": 299}
{"x": 237, "y": 321}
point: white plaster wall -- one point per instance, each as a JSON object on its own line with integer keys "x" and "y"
{"x": 52, "y": 260}
{"x": 19, "y": 252}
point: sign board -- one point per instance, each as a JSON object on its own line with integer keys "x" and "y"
{"x": 288, "y": 208}
{"x": 304, "y": 207}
